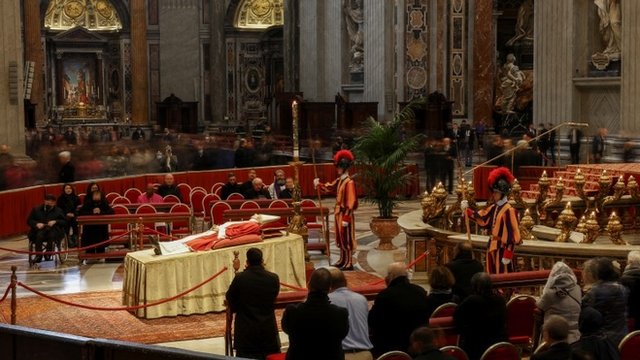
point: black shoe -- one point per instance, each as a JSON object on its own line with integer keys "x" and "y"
{"x": 38, "y": 259}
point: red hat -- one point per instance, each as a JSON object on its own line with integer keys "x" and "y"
{"x": 500, "y": 179}
{"x": 343, "y": 159}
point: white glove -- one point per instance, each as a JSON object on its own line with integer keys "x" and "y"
{"x": 316, "y": 182}
{"x": 506, "y": 261}
{"x": 464, "y": 204}
{"x": 345, "y": 224}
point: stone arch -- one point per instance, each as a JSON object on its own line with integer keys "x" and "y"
{"x": 121, "y": 6}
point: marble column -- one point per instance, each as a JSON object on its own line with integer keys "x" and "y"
{"x": 554, "y": 96}
{"x": 310, "y": 49}
{"x": 630, "y": 93}
{"x": 139, "y": 63}
{"x": 11, "y": 91}
{"x": 379, "y": 56}
{"x": 291, "y": 46}
{"x": 483, "y": 58}
{"x": 33, "y": 52}
{"x": 218, "y": 73}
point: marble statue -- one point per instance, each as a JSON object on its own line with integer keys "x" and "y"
{"x": 524, "y": 24}
{"x": 355, "y": 18}
{"x": 610, "y": 27}
{"x": 510, "y": 82}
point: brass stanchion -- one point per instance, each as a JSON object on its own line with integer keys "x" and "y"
{"x": 14, "y": 304}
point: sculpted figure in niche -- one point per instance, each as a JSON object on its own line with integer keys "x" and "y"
{"x": 524, "y": 24}
{"x": 510, "y": 82}
{"x": 355, "y": 18}
{"x": 610, "y": 27}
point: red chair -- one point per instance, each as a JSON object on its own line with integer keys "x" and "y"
{"x": 111, "y": 196}
{"x": 185, "y": 191}
{"x": 278, "y": 204}
{"x": 206, "y": 206}
{"x": 120, "y": 200}
{"x": 215, "y": 187}
{"x": 119, "y": 229}
{"x": 444, "y": 310}
{"x": 446, "y": 334}
{"x": 180, "y": 227}
{"x": 235, "y": 196}
{"x": 217, "y": 212}
{"x": 630, "y": 346}
{"x": 149, "y": 226}
{"x": 521, "y": 321}
{"x": 394, "y": 355}
{"x": 280, "y": 356}
{"x": 196, "y": 197}
{"x": 455, "y": 352}
{"x": 171, "y": 199}
{"x": 132, "y": 194}
{"x": 314, "y": 226}
{"x": 249, "y": 204}
{"x": 501, "y": 351}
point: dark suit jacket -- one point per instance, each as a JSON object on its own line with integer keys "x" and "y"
{"x": 481, "y": 322}
{"x": 463, "y": 268}
{"x": 557, "y": 351}
{"x": 228, "y": 189}
{"x": 67, "y": 173}
{"x": 40, "y": 215}
{"x": 252, "y": 295}
{"x": 164, "y": 190}
{"x": 433, "y": 354}
{"x": 397, "y": 311}
{"x": 315, "y": 328}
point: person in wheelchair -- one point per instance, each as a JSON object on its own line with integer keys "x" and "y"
{"x": 47, "y": 223}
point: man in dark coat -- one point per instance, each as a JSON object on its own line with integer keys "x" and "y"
{"x": 575, "y": 136}
{"x": 316, "y": 327}
{"x": 463, "y": 266}
{"x": 481, "y": 319}
{"x": 67, "y": 172}
{"x": 47, "y": 224}
{"x": 258, "y": 191}
{"x": 631, "y": 279}
{"x": 169, "y": 187}
{"x": 397, "y": 311}
{"x": 554, "y": 333}
{"x": 230, "y": 187}
{"x": 251, "y": 296}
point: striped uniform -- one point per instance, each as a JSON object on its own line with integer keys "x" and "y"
{"x": 346, "y": 203}
{"x": 505, "y": 235}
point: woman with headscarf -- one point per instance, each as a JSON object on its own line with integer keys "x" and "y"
{"x": 593, "y": 342}
{"x": 68, "y": 201}
{"x": 95, "y": 204}
{"x": 91, "y": 188}
{"x": 562, "y": 296}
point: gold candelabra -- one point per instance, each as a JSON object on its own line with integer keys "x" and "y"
{"x": 298, "y": 223}
{"x": 526, "y": 224}
{"x": 593, "y": 228}
{"x": 566, "y": 220}
{"x": 614, "y": 227}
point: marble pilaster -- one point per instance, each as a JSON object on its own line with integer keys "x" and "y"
{"x": 630, "y": 107}
{"x": 180, "y": 49}
{"x": 554, "y": 96}
{"x": 310, "y": 53}
{"x": 483, "y": 59}
{"x": 291, "y": 38}
{"x": 218, "y": 51}
{"x": 11, "y": 91}
{"x": 379, "y": 55}
{"x": 33, "y": 52}
{"x": 139, "y": 63}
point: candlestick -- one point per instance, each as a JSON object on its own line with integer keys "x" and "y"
{"x": 296, "y": 115}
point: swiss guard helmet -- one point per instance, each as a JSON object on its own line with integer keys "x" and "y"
{"x": 343, "y": 159}
{"x": 500, "y": 180}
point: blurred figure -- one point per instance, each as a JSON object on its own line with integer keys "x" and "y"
{"x": 95, "y": 204}
{"x": 551, "y": 140}
{"x": 575, "y": 137}
{"x": 480, "y": 131}
{"x": 631, "y": 279}
{"x": 69, "y": 203}
{"x": 628, "y": 155}
{"x": 495, "y": 148}
{"x": 203, "y": 158}
{"x": 70, "y": 137}
{"x": 138, "y": 134}
{"x": 598, "y": 145}
{"x": 167, "y": 160}
{"x": 244, "y": 156}
{"x": 450, "y": 155}
{"x": 278, "y": 184}
{"x": 463, "y": 267}
{"x": 6, "y": 161}
{"x": 169, "y": 187}
{"x": 150, "y": 196}
{"x": 67, "y": 173}
{"x": 247, "y": 185}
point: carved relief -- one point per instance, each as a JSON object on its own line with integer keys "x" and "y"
{"x": 259, "y": 14}
{"x": 354, "y": 18}
{"x": 417, "y": 48}
{"x": 610, "y": 27}
{"x": 457, "y": 54}
{"x": 97, "y": 15}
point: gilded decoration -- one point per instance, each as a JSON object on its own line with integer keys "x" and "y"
{"x": 417, "y": 48}
{"x": 94, "y": 15}
{"x": 259, "y": 14}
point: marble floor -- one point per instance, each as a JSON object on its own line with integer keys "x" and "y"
{"x": 71, "y": 277}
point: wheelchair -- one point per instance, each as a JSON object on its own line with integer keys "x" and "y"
{"x": 61, "y": 244}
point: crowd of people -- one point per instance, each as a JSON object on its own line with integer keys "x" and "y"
{"x": 581, "y": 321}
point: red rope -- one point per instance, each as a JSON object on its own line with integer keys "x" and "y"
{"x": 424, "y": 254}
{"x": 9, "y": 287}
{"x": 292, "y": 287}
{"x": 68, "y": 250}
{"x": 120, "y": 308}
{"x": 161, "y": 233}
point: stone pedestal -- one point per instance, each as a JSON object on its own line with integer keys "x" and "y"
{"x": 11, "y": 77}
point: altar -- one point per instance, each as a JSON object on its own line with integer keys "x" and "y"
{"x": 149, "y": 278}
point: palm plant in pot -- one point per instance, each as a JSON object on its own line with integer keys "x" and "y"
{"x": 381, "y": 154}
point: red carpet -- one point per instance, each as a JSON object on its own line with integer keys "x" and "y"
{"x": 40, "y": 313}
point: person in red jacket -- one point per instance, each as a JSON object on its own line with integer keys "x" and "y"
{"x": 346, "y": 204}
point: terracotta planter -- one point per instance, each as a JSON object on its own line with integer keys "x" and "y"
{"x": 385, "y": 230}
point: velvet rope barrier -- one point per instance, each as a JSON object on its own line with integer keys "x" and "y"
{"x": 68, "y": 250}
{"x": 422, "y": 256}
{"x": 160, "y": 233}
{"x": 121, "y": 308}
{"x": 6, "y": 293}
{"x": 292, "y": 287}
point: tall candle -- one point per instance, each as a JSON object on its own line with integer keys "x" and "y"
{"x": 296, "y": 115}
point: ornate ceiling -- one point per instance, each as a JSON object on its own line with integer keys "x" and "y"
{"x": 259, "y": 14}
{"x": 94, "y": 15}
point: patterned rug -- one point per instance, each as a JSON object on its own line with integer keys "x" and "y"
{"x": 40, "y": 313}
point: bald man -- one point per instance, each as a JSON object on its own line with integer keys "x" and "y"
{"x": 169, "y": 187}
{"x": 397, "y": 311}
